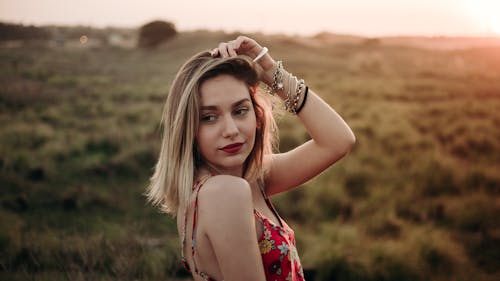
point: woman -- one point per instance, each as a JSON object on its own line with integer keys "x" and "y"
{"x": 216, "y": 167}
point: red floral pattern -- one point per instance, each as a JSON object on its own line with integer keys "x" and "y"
{"x": 279, "y": 252}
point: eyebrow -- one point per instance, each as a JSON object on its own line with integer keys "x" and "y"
{"x": 214, "y": 107}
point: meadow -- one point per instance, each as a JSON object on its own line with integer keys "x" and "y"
{"x": 418, "y": 198}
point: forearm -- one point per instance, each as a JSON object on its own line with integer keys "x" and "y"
{"x": 325, "y": 126}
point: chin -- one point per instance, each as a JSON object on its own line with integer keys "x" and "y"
{"x": 233, "y": 162}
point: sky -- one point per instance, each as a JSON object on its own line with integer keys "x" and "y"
{"x": 292, "y": 17}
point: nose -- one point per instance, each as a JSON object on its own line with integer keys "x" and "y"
{"x": 230, "y": 128}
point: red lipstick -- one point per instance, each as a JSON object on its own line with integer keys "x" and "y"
{"x": 232, "y": 148}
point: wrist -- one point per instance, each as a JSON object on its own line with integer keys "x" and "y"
{"x": 268, "y": 66}
{"x": 267, "y": 63}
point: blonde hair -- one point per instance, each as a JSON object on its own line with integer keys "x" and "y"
{"x": 171, "y": 184}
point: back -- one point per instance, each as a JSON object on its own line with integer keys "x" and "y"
{"x": 219, "y": 225}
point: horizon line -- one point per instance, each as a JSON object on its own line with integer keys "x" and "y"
{"x": 490, "y": 35}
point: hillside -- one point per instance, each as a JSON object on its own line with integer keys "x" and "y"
{"x": 417, "y": 199}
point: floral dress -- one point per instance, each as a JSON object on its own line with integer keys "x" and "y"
{"x": 276, "y": 244}
{"x": 277, "y": 247}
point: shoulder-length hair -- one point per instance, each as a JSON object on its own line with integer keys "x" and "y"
{"x": 171, "y": 184}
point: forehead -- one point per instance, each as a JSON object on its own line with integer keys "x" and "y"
{"x": 223, "y": 90}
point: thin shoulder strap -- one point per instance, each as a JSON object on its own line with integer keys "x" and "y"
{"x": 197, "y": 189}
{"x": 260, "y": 183}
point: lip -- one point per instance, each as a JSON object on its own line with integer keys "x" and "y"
{"x": 232, "y": 148}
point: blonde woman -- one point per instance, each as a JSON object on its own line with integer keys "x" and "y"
{"x": 217, "y": 170}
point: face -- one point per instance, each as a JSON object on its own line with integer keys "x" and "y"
{"x": 227, "y": 128}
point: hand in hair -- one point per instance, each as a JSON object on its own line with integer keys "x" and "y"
{"x": 249, "y": 47}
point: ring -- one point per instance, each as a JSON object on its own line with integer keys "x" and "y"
{"x": 261, "y": 54}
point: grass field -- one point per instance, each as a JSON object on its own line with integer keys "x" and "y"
{"x": 417, "y": 199}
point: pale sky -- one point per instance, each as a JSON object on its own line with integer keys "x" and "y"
{"x": 305, "y": 17}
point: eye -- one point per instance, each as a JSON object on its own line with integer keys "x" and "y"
{"x": 208, "y": 117}
{"x": 241, "y": 111}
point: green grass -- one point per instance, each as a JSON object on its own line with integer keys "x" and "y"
{"x": 416, "y": 199}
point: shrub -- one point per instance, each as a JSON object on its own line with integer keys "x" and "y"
{"x": 484, "y": 251}
{"x": 390, "y": 269}
{"x": 475, "y": 215}
{"x": 333, "y": 208}
{"x": 477, "y": 179}
{"x": 435, "y": 260}
{"x": 340, "y": 268}
{"x": 383, "y": 268}
{"x": 154, "y": 33}
{"x": 356, "y": 185}
{"x": 408, "y": 212}
{"x": 385, "y": 228}
{"x": 11, "y": 31}
{"x": 436, "y": 179}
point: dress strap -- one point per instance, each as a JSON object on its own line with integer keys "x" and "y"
{"x": 196, "y": 189}
{"x": 260, "y": 183}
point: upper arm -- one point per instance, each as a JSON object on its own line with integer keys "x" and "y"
{"x": 295, "y": 167}
{"x": 230, "y": 226}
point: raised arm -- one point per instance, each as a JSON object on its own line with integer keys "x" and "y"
{"x": 331, "y": 137}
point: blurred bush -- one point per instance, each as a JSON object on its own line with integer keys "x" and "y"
{"x": 10, "y": 31}
{"x": 154, "y": 33}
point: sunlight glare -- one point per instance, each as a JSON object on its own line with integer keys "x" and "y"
{"x": 486, "y": 13}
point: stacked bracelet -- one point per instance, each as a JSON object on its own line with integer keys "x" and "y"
{"x": 303, "y": 101}
{"x": 298, "y": 90}
{"x": 288, "y": 100}
{"x": 277, "y": 79}
{"x": 291, "y": 102}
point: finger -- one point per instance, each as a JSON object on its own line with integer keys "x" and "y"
{"x": 232, "y": 52}
{"x": 262, "y": 53}
{"x": 223, "y": 50}
{"x": 247, "y": 45}
{"x": 237, "y": 43}
{"x": 214, "y": 52}
{"x": 231, "y": 49}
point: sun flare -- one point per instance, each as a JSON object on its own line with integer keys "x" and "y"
{"x": 486, "y": 13}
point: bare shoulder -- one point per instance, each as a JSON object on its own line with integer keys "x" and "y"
{"x": 225, "y": 196}
{"x": 228, "y": 223}
{"x": 220, "y": 188}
